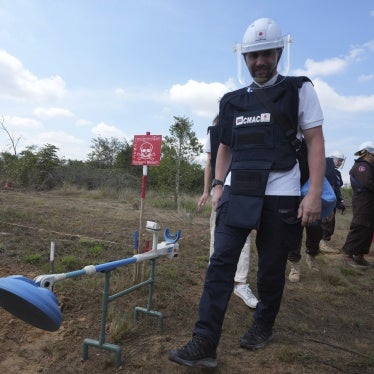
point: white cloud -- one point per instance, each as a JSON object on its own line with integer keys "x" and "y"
{"x": 106, "y": 131}
{"x": 21, "y": 123}
{"x": 83, "y": 122}
{"x": 120, "y": 92}
{"x": 360, "y": 52}
{"x": 330, "y": 98}
{"x": 201, "y": 97}
{"x": 366, "y": 77}
{"x": 70, "y": 146}
{"x": 322, "y": 68}
{"x": 52, "y": 112}
{"x": 19, "y": 83}
{"x": 57, "y": 138}
{"x": 335, "y": 65}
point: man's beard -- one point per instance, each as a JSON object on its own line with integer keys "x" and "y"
{"x": 264, "y": 78}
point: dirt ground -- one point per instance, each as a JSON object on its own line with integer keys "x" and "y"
{"x": 325, "y": 324}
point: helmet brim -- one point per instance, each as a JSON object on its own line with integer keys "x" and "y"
{"x": 262, "y": 46}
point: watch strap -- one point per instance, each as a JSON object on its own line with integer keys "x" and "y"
{"x": 216, "y": 182}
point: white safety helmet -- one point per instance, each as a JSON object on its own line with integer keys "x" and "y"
{"x": 337, "y": 154}
{"x": 263, "y": 34}
{"x": 338, "y": 158}
{"x": 364, "y": 148}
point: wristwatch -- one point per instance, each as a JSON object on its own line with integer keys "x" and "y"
{"x": 216, "y": 182}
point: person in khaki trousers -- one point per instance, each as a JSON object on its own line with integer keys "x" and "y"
{"x": 241, "y": 288}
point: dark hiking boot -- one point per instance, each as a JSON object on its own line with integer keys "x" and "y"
{"x": 357, "y": 262}
{"x": 197, "y": 352}
{"x": 257, "y": 336}
{"x": 361, "y": 261}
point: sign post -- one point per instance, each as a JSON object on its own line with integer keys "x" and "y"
{"x": 146, "y": 151}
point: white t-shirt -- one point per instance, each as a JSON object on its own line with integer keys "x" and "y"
{"x": 287, "y": 183}
{"x": 207, "y": 146}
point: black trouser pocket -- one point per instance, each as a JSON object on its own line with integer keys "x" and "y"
{"x": 244, "y": 211}
{"x": 248, "y": 184}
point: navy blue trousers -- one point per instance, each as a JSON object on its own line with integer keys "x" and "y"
{"x": 313, "y": 236}
{"x": 279, "y": 230}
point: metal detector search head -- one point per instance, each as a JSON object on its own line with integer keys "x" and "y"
{"x": 33, "y": 304}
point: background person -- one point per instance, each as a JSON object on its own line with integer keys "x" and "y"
{"x": 241, "y": 288}
{"x": 333, "y": 163}
{"x": 318, "y": 231}
{"x": 359, "y": 238}
{"x": 313, "y": 235}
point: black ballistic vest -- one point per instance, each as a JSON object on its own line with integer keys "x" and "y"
{"x": 255, "y": 133}
{"x": 258, "y": 144}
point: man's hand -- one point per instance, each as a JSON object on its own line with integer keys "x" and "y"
{"x": 202, "y": 201}
{"x": 310, "y": 209}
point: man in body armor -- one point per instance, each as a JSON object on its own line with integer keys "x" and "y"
{"x": 360, "y": 235}
{"x": 257, "y": 187}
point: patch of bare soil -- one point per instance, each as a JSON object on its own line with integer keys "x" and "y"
{"x": 325, "y": 324}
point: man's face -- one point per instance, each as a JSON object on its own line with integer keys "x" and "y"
{"x": 338, "y": 162}
{"x": 370, "y": 157}
{"x": 262, "y": 65}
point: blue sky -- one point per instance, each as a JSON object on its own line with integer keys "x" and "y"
{"x": 74, "y": 70}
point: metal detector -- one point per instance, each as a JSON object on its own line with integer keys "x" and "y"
{"x": 34, "y": 302}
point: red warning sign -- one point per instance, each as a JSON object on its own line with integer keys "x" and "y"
{"x": 146, "y": 150}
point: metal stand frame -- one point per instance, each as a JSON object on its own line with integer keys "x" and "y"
{"x": 101, "y": 343}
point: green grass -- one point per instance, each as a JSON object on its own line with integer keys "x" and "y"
{"x": 34, "y": 258}
{"x": 70, "y": 263}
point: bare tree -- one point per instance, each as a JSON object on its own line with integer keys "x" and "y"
{"x": 13, "y": 140}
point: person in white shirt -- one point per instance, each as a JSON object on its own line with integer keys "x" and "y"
{"x": 257, "y": 187}
{"x": 241, "y": 288}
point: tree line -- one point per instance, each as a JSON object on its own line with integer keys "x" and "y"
{"x": 107, "y": 165}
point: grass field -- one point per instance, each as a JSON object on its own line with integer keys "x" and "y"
{"x": 325, "y": 324}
